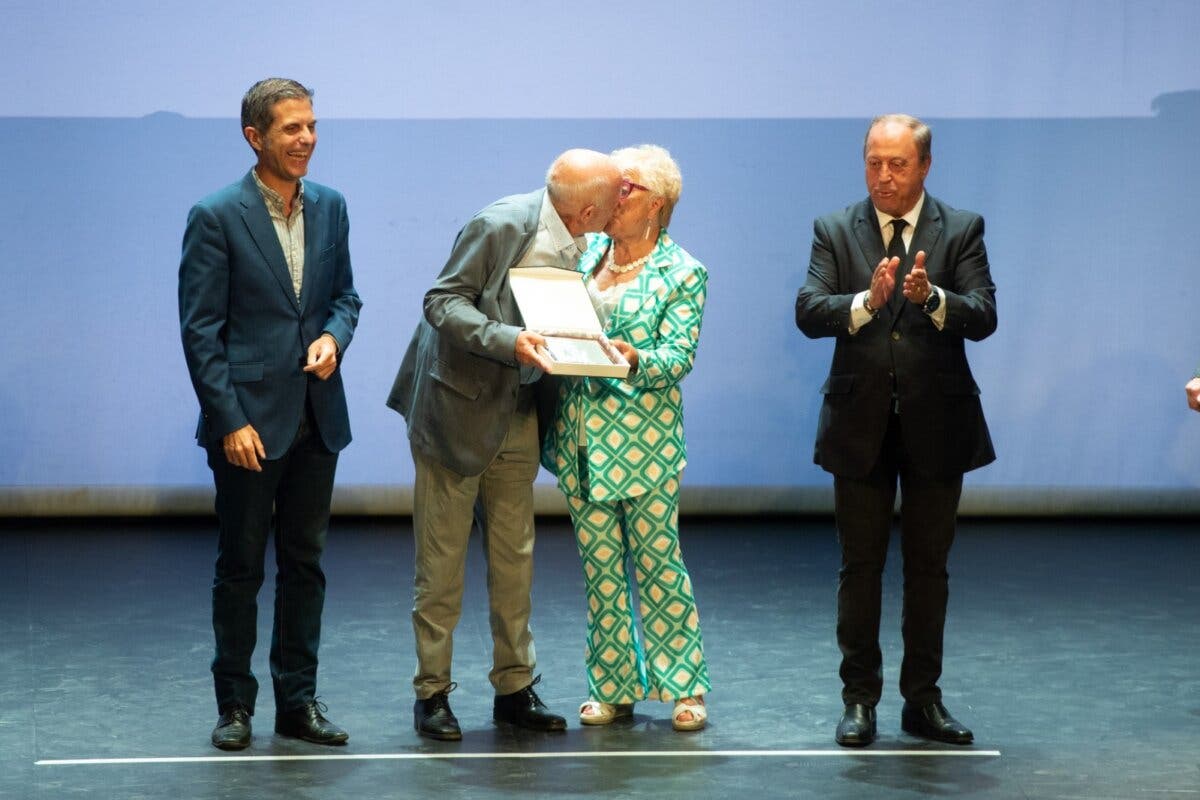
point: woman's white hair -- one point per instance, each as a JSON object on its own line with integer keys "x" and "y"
{"x": 655, "y": 170}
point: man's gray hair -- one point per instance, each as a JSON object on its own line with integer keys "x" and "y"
{"x": 259, "y": 102}
{"x": 922, "y": 136}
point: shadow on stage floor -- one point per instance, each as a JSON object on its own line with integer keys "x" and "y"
{"x": 1072, "y": 650}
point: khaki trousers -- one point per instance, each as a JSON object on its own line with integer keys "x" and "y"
{"x": 444, "y": 505}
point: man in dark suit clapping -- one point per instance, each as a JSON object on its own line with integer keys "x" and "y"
{"x": 902, "y": 281}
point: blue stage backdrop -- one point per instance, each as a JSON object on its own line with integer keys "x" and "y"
{"x": 1070, "y": 126}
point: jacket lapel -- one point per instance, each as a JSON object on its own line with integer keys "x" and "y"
{"x": 870, "y": 239}
{"x": 649, "y": 288}
{"x": 312, "y": 248}
{"x": 870, "y": 242}
{"x": 262, "y": 231}
{"x": 929, "y": 230}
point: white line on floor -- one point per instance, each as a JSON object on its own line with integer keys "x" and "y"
{"x": 92, "y": 762}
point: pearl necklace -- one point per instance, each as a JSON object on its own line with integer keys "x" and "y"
{"x": 620, "y": 269}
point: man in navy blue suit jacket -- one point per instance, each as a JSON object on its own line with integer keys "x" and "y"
{"x": 902, "y": 281}
{"x": 267, "y": 308}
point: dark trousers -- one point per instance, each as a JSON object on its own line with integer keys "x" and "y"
{"x": 297, "y": 488}
{"x": 864, "y": 508}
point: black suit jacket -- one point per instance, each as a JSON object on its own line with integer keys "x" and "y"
{"x": 900, "y": 354}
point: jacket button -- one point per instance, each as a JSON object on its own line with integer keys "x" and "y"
{"x": 895, "y": 336}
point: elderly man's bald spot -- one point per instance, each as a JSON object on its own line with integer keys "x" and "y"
{"x": 579, "y": 165}
{"x": 583, "y": 186}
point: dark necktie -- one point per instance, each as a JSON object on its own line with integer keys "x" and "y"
{"x": 896, "y": 250}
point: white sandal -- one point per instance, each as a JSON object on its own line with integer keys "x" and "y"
{"x": 594, "y": 712}
{"x": 698, "y": 711}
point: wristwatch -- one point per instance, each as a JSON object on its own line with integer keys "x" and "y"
{"x": 933, "y": 302}
{"x": 867, "y": 305}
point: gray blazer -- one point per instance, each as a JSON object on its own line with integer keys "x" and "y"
{"x": 457, "y": 384}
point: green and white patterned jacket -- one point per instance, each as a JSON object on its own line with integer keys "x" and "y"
{"x": 634, "y": 427}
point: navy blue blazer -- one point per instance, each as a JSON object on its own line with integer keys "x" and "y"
{"x": 942, "y": 423}
{"x": 244, "y": 333}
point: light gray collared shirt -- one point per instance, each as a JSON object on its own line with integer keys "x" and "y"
{"x": 289, "y": 229}
{"x": 553, "y": 245}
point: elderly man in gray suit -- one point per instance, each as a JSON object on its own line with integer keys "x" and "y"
{"x": 466, "y": 390}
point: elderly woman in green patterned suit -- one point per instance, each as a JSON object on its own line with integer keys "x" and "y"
{"x": 617, "y": 448}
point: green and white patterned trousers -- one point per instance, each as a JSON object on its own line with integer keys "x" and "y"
{"x": 666, "y": 661}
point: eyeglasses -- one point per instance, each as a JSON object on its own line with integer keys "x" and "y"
{"x": 627, "y": 187}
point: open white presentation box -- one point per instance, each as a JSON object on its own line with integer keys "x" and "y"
{"x": 555, "y": 303}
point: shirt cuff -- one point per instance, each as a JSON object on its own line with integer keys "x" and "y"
{"x": 859, "y": 315}
{"x": 939, "y": 317}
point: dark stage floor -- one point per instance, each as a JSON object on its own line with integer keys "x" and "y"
{"x": 1073, "y": 650}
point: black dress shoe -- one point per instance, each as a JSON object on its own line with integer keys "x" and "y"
{"x": 933, "y": 721}
{"x": 526, "y": 710}
{"x": 857, "y": 726}
{"x": 308, "y": 723}
{"x": 233, "y": 729}
{"x": 433, "y": 718}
